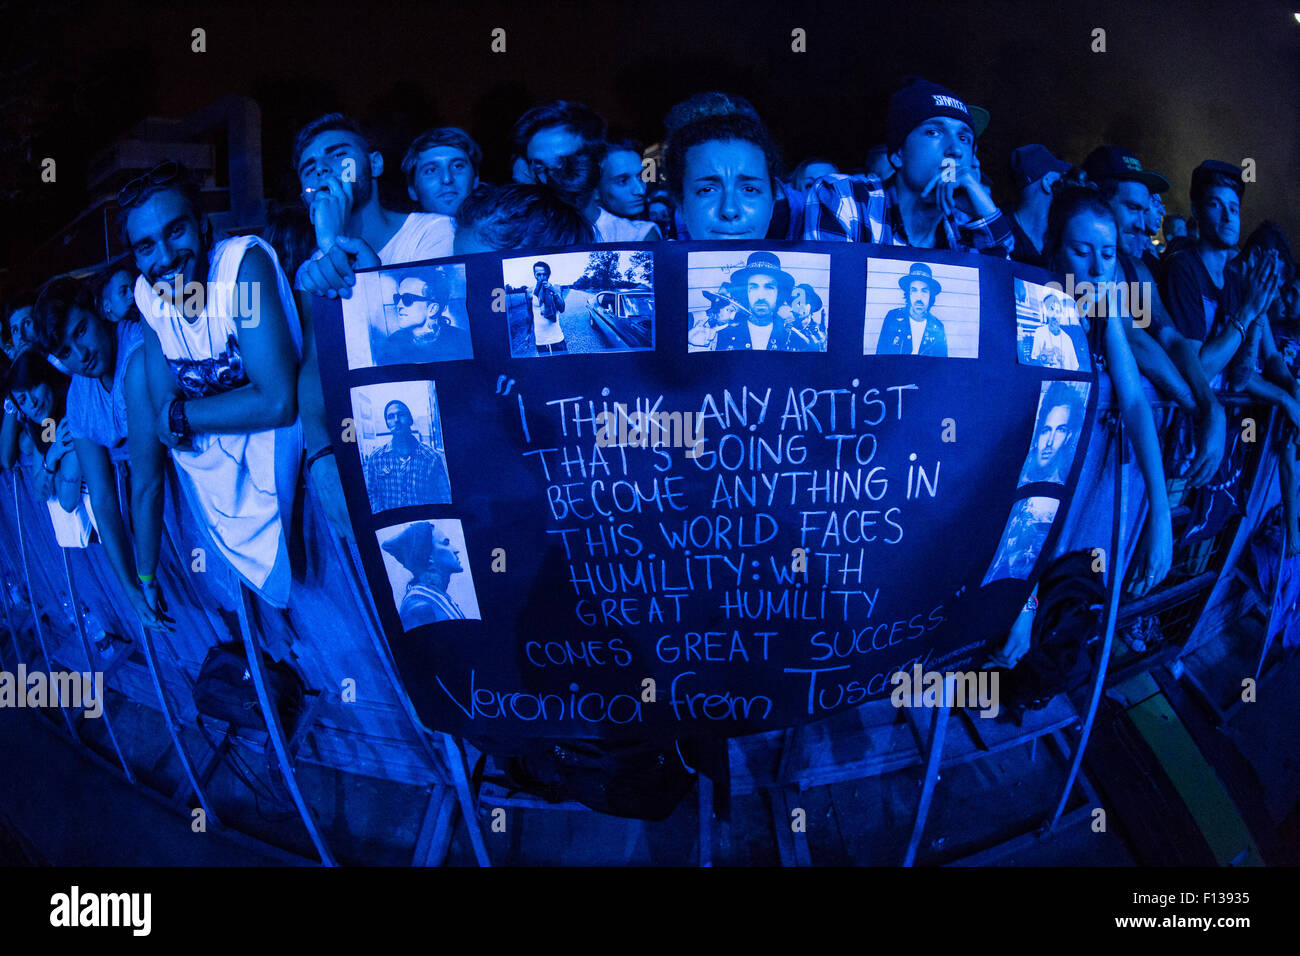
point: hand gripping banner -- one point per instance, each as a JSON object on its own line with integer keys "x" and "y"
{"x": 700, "y": 488}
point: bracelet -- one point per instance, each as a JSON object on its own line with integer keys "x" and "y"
{"x": 1236, "y": 323}
{"x": 318, "y": 455}
{"x": 145, "y": 578}
{"x": 177, "y": 423}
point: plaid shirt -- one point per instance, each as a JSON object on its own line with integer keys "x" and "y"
{"x": 842, "y": 208}
{"x": 395, "y": 482}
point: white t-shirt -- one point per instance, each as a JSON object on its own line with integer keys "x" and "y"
{"x": 611, "y": 228}
{"x": 918, "y": 334}
{"x": 1054, "y": 351}
{"x": 759, "y": 336}
{"x": 545, "y": 331}
{"x": 424, "y": 235}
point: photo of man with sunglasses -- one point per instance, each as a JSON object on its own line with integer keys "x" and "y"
{"x": 425, "y": 331}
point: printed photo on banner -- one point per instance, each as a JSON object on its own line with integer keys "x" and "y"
{"x": 407, "y": 315}
{"x": 1022, "y": 538}
{"x": 580, "y": 302}
{"x": 1061, "y": 407}
{"x": 428, "y": 572}
{"x": 399, "y": 435}
{"x": 764, "y": 301}
{"x": 1048, "y": 330}
{"x": 922, "y": 308}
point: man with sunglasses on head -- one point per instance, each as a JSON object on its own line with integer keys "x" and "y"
{"x": 338, "y": 171}
{"x": 221, "y": 366}
{"x": 425, "y": 331}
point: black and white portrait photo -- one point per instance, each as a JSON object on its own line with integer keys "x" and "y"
{"x": 764, "y": 301}
{"x": 1057, "y": 426}
{"x": 429, "y": 572}
{"x": 399, "y": 435}
{"x": 407, "y": 315}
{"x": 921, "y": 308}
{"x": 1048, "y": 331}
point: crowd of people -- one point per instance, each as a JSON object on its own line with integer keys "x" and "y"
{"x": 124, "y": 366}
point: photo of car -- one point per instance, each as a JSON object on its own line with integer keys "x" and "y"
{"x": 624, "y": 314}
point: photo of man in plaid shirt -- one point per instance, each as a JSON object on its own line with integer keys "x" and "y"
{"x": 934, "y": 199}
{"x": 406, "y": 472}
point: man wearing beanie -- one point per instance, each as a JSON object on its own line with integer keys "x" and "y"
{"x": 934, "y": 200}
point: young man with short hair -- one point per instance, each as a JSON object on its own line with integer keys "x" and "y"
{"x": 426, "y": 332}
{"x": 405, "y": 472}
{"x": 442, "y": 168}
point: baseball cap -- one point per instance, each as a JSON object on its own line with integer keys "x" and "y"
{"x": 918, "y": 100}
{"x": 1203, "y": 176}
{"x": 1031, "y": 163}
{"x": 1115, "y": 162}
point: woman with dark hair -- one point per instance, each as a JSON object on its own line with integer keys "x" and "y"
{"x": 723, "y": 168}
{"x": 39, "y": 394}
{"x": 114, "y": 290}
{"x": 1082, "y": 241}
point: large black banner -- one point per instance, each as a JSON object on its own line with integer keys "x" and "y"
{"x": 698, "y": 488}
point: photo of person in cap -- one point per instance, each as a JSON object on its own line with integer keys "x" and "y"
{"x": 913, "y": 329}
{"x": 934, "y": 200}
{"x": 431, "y": 557}
{"x": 808, "y": 321}
{"x": 406, "y": 471}
{"x": 1052, "y": 345}
{"x": 763, "y": 288}
{"x": 722, "y": 313}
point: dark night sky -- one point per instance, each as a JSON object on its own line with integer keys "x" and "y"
{"x": 1179, "y": 82}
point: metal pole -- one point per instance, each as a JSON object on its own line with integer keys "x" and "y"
{"x": 937, "y": 732}
{"x": 90, "y": 663}
{"x": 1112, "y": 612}
{"x": 253, "y": 652}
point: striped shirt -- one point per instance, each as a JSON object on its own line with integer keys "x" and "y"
{"x": 842, "y": 208}
{"x": 424, "y": 604}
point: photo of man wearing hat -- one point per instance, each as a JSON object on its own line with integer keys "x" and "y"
{"x": 723, "y": 312}
{"x": 762, "y": 288}
{"x": 406, "y": 471}
{"x": 423, "y": 549}
{"x": 807, "y": 322}
{"x": 913, "y": 329}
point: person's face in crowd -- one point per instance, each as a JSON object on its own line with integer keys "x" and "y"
{"x": 119, "y": 295}
{"x": 1054, "y": 314}
{"x": 166, "y": 239}
{"x": 444, "y": 559}
{"x": 443, "y": 177}
{"x": 20, "y": 328}
{"x": 340, "y": 154}
{"x": 726, "y": 190}
{"x": 929, "y": 146}
{"x": 1155, "y": 214}
{"x": 412, "y": 303}
{"x": 1291, "y": 300}
{"x": 36, "y": 403}
{"x": 539, "y": 274}
{"x": 660, "y": 215}
{"x": 547, "y": 148}
{"x": 89, "y": 345}
{"x": 1220, "y": 217}
{"x": 622, "y": 191}
{"x": 763, "y": 293}
{"x": 1088, "y": 249}
{"x": 1053, "y": 436}
{"x": 918, "y": 299}
{"x": 811, "y": 173}
{"x": 1130, "y": 204}
{"x": 398, "y": 419}
{"x": 1176, "y": 228}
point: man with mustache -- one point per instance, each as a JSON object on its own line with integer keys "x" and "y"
{"x": 765, "y": 288}
{"x": 1164, "y": 352}
{"x": 221, "y": 371}
{"x": 913, "y": 329}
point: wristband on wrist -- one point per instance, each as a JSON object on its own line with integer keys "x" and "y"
{"x": 177, "y": 423}
{"x": 318, "y": 455}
